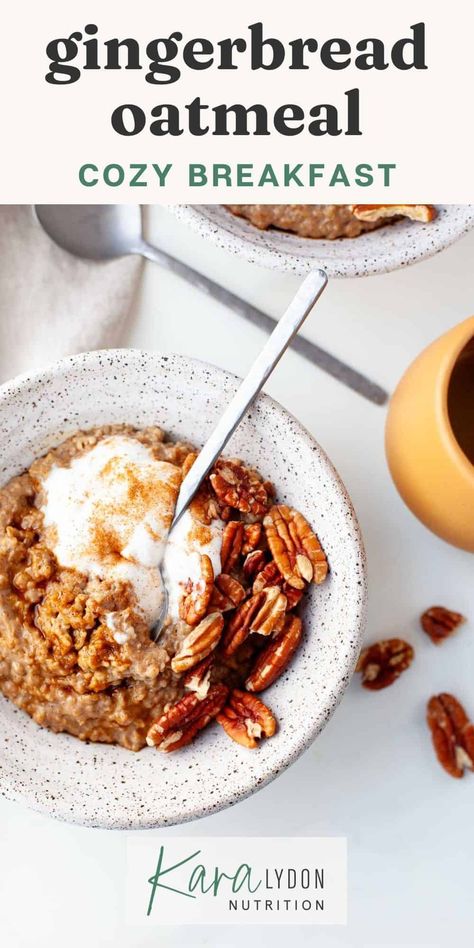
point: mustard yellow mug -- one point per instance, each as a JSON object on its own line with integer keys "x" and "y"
{"x": 429, "y": 436}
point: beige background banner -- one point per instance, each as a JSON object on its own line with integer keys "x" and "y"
{"x": 418, "y": 120}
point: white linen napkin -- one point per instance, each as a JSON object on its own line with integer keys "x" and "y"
{"x": 52, "y": 304}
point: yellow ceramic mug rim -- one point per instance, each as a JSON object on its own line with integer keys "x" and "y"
{"x": 445, "y": 372}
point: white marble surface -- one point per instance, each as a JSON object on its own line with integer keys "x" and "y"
{"x": 371, "y": 775}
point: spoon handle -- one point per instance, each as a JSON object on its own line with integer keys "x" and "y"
{"x": 284, "y": 331}
{"x": 309, "y": 350}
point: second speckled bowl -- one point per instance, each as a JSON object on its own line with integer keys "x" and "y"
{"x": 388, "y": 248}
{"x": 107, "y": 786}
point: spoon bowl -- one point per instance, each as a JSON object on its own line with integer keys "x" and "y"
{"x": 106, "y": 785}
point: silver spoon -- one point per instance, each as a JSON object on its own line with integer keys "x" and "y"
{"x": 106, "y": 231}
{"x": 284, "y": 331}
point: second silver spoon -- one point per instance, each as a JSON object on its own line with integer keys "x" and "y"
{"x": 106, "y": 231}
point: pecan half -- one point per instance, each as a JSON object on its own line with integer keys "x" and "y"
{"x": 197, "y": 595}
{"x": 239, "y": 626}
{"x": 377, "y": 212}
{"x": 383, "y": 662}
{"x": 271, "y": 615}
{"x": 180, "y": 723}
{"x": 439, "y": 623}
{"x": 263, "y": 613}
{"x": 270, "y": 576}
{"x": 204, "y": 506}
{"x": 200, "y": 642}
{"x": 198, "y": 679}
{"x": 274, "y": 658}
{"x": 232, "y": 540}
{"x": 246, "y": 719}
{"x": 452, "y": 734}
{"x": 254, "y": 563}
{"x": 294, "y": 547}
{"x": 252, "y": 535}
{"x": 227, "y": 593}
{"x": 240, "y": 487}
{"x": 231, "y": 588}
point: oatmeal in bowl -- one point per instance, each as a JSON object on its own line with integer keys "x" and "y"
{"x": 330, "y": 221}
{"x": 265, "y": 585}
{"x": 87, "y": 566}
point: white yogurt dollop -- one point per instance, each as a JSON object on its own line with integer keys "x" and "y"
{"x": 109, "y": 513}
{"x": 120, "y": 625}
{"x": 187, "y": 542}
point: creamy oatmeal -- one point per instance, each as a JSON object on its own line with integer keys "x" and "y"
{"x": 328, "y": 221}
{"x": 83, "y": 545}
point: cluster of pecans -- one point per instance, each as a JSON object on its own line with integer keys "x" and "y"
{"x": 452, "y": 732}
{"x": 242, "y": 623}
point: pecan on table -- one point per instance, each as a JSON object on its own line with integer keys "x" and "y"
{"x": 246, "y": 719}
{"x": 240, "y": 487}
{"x": 180, "y": 723}
{"x": 383, "y": 662}
{"x": 295, "y": 548}
{"x": 199, "y": 643}
{"x": 275, "y": 657}
{"x": 197, "y": 595}
{"x": 452, "y": 734}
{"x": 263, "y": 613}
{"x": 439, "y": 623}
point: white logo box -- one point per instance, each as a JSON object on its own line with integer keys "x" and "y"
{"x": 236, "y": 880}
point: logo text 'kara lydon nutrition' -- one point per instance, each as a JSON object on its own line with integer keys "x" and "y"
{"x": 190, "y": 878}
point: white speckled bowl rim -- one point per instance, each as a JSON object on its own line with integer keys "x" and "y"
{"x": 106, "y": 786}
{"x": 389, "y": 248}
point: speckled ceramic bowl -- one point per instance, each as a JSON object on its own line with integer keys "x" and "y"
{"x": 389, "y": 248}
{"x": 101, "y": 785}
